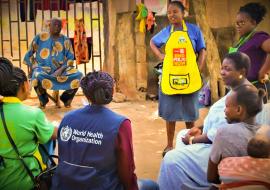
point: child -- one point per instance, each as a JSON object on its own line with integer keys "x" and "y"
{"x": 255, "y": 166}
{"x": 242, "y": 105}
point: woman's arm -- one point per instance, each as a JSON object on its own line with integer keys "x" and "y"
{"x": 156, "y": 50}
{"x": 125, "y": 160}
{"x": 201, "y": 59}
{"x": 212, "y": 173}
{"x": 196, "y": 139}
{"x": 266, "y": 66}
{"x": 217, "y": 150}
{"x": 55, "y": 132}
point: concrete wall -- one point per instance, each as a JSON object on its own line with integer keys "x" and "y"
{"x": 223, "y": 13}
{"x": 125, "y": 52}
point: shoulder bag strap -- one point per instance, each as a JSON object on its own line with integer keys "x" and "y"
{"x": 13, "y": 144}
{"x": 50, "y": 157}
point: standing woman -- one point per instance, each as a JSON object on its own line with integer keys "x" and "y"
{"x": 183, "y": 60}
{"x": 256, "y": 44}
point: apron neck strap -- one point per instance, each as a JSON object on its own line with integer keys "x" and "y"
{"x": 184, "y": 26}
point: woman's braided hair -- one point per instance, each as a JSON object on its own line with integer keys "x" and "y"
{"x": 97, "y": 86}
{"x": 11, "y": 78}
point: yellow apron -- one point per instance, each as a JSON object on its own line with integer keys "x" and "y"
{"x": 180, "y": 72}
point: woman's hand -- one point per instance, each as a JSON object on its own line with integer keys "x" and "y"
{"x": 185, "y": 140}
{"x": 188, "y": 139}
{"x": 263, "y": 77}
{"x": 156, "y": 51}
{"x": 195, "y": 131}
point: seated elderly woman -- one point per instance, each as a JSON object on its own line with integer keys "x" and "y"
{"x": 50, "y": 58}
{"x": 252, "y": 169}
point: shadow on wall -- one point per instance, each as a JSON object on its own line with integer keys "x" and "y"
{"x": 225, "y": 37}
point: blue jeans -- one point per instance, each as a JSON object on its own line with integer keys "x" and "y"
{"x": 147, "y": 184}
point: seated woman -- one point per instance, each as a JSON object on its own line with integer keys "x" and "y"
{"x": 186, "y": 165}
{"x": 95, "y": 143}
{"x": 27, "y": 126}
{"x": 252, "y": 168}
{"x": 50, "y": 58}
{"x": 242, "y": 105}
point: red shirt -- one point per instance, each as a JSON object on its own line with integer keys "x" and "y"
{"x": 125, "y": 158}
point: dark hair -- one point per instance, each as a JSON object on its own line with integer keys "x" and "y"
{"x": 251, "y": 98}
{"x": 258, "y": 148}
{"x": 255, "y": 10}
{"x": 11, "y": 78}
{"x": 98, "y": 87}
{"x": 178, "y": 4}
{"x": 239, "y": 60}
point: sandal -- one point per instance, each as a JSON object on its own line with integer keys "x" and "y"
{"x": 42, "y": 105}
{"x": 68, "y": 103}
{"x": 167, "y": 149}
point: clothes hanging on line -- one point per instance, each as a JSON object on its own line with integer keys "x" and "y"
{"x": 32, "y": 6}
{"x": 150, "y": 22}
{"x": 80, "y": 42}
{"x": 89, "y": 46}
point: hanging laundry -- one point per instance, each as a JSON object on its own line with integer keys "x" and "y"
{"x": 32, "y": 7}
{"x": 89, "y": 44}
{"x": 51, "y": 5}
{"x": 142, "y": 15}
{"x": 29, "y": 6}
{"x": 150, "y": 22}
{"x": 80, "y": 43}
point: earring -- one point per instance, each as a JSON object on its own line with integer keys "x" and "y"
{"x": 240, "y": 76}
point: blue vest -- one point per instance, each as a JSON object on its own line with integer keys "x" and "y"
{"x": 87, "y": 157}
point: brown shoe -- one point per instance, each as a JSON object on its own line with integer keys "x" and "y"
{"x": 55, "y": 96}
{"x": 68, "y": 103}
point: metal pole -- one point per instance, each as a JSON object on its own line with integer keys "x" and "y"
{"x": 10, "y": 31}
{"x": 99, "y": 36}
{"x": 1, "y": 30}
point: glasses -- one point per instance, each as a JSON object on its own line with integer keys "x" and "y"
{"x": 240, "y": 23}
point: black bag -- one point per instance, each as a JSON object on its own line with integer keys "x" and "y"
{"x": 44, "y": 180}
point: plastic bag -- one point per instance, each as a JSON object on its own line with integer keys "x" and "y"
{"x": 205, "y": 95}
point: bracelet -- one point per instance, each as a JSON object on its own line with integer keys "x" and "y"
{"x": 191, "y": 139}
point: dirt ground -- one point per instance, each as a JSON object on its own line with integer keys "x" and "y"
{"x": 149, "y": 134}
